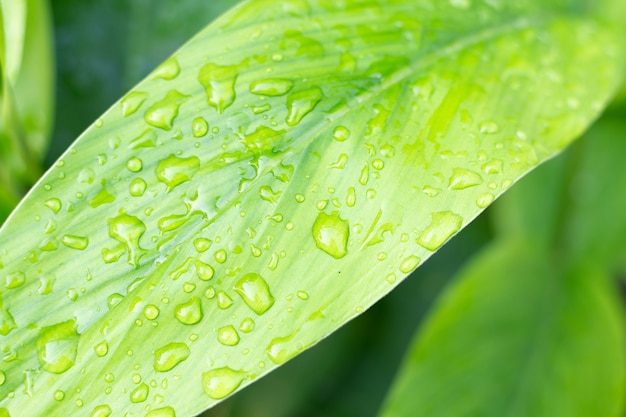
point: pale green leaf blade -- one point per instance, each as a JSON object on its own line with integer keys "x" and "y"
{"x": 516, "y": 336}
{"x": 270, "y": 181}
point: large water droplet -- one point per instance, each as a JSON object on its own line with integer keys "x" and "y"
{"x": 170, "y": 355}
{"x": 168, "y": 70}
{"x": 162, "y": 412}
{"x": 75, "y": 242}
{"x": 228, "y": 336}
{"x": 134, "y": 164}
{"x": 199, "y": 127}
{"x": 271, "y": 87}
{"x": 131, "y": 103}
{"x": 162, "y": 113}
{"x": 102, "y": 411}
{"x": 128, "y": 230}
{"x": 281, "y": 349}
{"x": 266, "y": 193}
{"x": 301, "y": 103}
{"x": 442, "y": 226}
{"x": 53, "y": 204}
{"x": 223, "y": 300}
{"x": 189, "y": 312}
{"x": 173, "y": 171}
{"x": 101, "y": 348}
{"x": 462, "y": 178}
{"x": 57, "y": 346}
{"x": 204, "y": 271}
{"x": 331, "y": 234}
{"x": 219, "y": 84}
{"x": 140, "y": 393}
{"x": 137, "y": 187}
{"x": 255, "y": 292}
{"x": 220, "y": 382}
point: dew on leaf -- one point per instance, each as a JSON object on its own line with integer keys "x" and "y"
{"x": 220, "y": 382}
{"x": 168, "y": 70}
{"x": 431, "y": 191}
{"x": 170, "y": 355}
{"x": 162, "y": 113}
{"x": 462, "y": 178}
{"x": 204, "y": 271}
{"x": 378, "y": 164}
{"x": 301, "y": 103}
{"x": 162, "y": 412}
{"x": 223, "y": 300}
{"x": 202, "y": 244}
{"x": 484, "y": 200}
{"x": 103, "y": 197}
{"x": 266, "y": 193}
{"x": 140, "y": 393}
{"x": 409, "y": 264}
{"x": 147, "y": 139}
{"x": 75, "y": 242}
{"x": 86, "y": 176}
{"x": 131, "y": 103}
{"x": 220, "y": 256}
{"x": 227, "y": 335}
{"x": 331, "y": 234}
{"x": 134, "y": 164}
{"x": 57, "y": 346}
{"x": 255, "y": 292}
{"x": 489, "y": 128}
{"x": 260, "y": 109}
{"x": 102, "y": 411}
{"x": 3, "y": 378}
{"x": 494, "y": 166}
{"x": 59, "y": 395}
{"x": 341, "y": 133}
{"x": 15, "y": 279}
{"x": 137, "y": 187}
{"x": 442, "y": 226}
{"x": 53, "y": 204}
{"x": 340, "y": 163}
{"x": 281, "y": 349}
{"x": 101, "y": 348}
{"x": 128, "y": 230}
{"x": 219, "y": 84}
{"x": 189, "y": 312}
{"x": 199, "y": 127}
{"x": 247, "y": 325}
{"x": 271, "y": 87}
{"x": 173, "y": 171}
{"x": 7, "y": 322}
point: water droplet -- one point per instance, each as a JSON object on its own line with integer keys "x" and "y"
{"x": 57, "y": 346}
{"x": 331, "y": 234}
{"x": 494, "y": 166}
{"x": 75, "y": 242}
{"x": 59, "y": 395}
{"x": 199, "y": 127}
{"x": 228, "y": 336}
{"x": 301, "y": 103}
{"x": 220, "y": 382}
{"x": 484, "y": 200}
{"x": 162, "y": 113}
{"x": 3, "y": 378}
{"x": 247, "y": 325}
{"x": 488, "y": 127}
{"x": 266, "y": 193}
{"x": 255, "y": 292}
{"x": 101, "y": 348}
{"x": 462, "y": 178}
{"x": 271, "y": 87}
{"x": 102, "y": 411}
{"x": 281, "y": 349}
{"x": 170, "y": 355}
{"x": 168, "y": 70}
{"x": 173, "y": 171}
{"x": 140, "y": 393}
{"x": 53, "y": 204}
{"x": 409, "y": 264}
{"x": 220, "y": 256}
{"x": 103, "y": 197}
{"x": 223, "y": 300}
{"x": 128, "y": 230}
{"x": 86, "y": 176}
{"x": 131, "y": 103}
{"x": 137, "y": 187}
{"x": 378, "y": 164}
{"x": 341, "y": 133}
{"x": 162, "y": 412}
{"x": 189, "y": 312}
{"x": 365, "y": 175}
{"x": 219, "y": 84}
{"x": 202, "y": 244}
{"x": 261, "y": 109}
{"x": 303, "y": 295}
{"x": 15, "y": 279}
{"x": 134, "y": 164}
{"x": 387, "y": 151}
{"x": 204, "y": 271}
{"x": 442, "y": 226}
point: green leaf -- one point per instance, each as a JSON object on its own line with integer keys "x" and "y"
{"x": 517, "y": 335}
{"x": 279, "y": 174}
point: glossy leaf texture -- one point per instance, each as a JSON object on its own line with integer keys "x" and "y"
{"x": 271, "y": 180}
{"x": 518, "y": 335}
{"x": 27, "y": 93}
{"x": 534, "y": 326}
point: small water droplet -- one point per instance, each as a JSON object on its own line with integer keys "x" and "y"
{"x": 168, "y": 70}
{"x": 140, "y": 393}
{"x": 302, "y": 295}
{"x": 173, "y": 171}
{"x": 170, "y": 355}
{"x": 220, "y": 382}
{"x": 134, "y": 164}
{"x": 75, "y": 242}
{"x": 57, "y": 346}
{"x": 462, "y": 178}
{"x": 484, "y": 200}
{"x": 102, "y": 411}
{"x": 223, "y": 300}
{"x": 255, "y": 292}
{"x": 189, "y": 312}
{"x": 204, "y": 271}
{"x": 15, "y": 279}
{"x": 228, "y": 336}
{"x": 331, "y": 234}
{"x": 59, "y": 395}
{"x": 199, "y": 127}
{"x": 271, "y": 87}
{"x": 53, "y": 204}
{"x": 409, "y": 264}
{"x": 131, "y": 103}
{"x": 281, "y": 349}
{"x": 301, "y": 103}
{"x": 219, "y": 84}
{"x": 341, "y": 133}
{"x": 247, "y": 325}
{"x": 137, "y": 187}
{"x": 101, "y": 348}
{"x": 162, "y": 113}
{"x": 128, "y": 230}
{"x": 378, "y": 164}
{"x": 162, "y": 412}
{"x": 442, "y": 226}
{"x": 202, "y": 244}
{"x": 266, "y": 193}
{"x": 103, "y": 197}
{"x": 151, "y": 312}
{"x": 488, "y": 127}
{"x": 494, "y": 166}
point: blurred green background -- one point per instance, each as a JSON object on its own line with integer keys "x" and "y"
{"x": 103, "y": 48}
